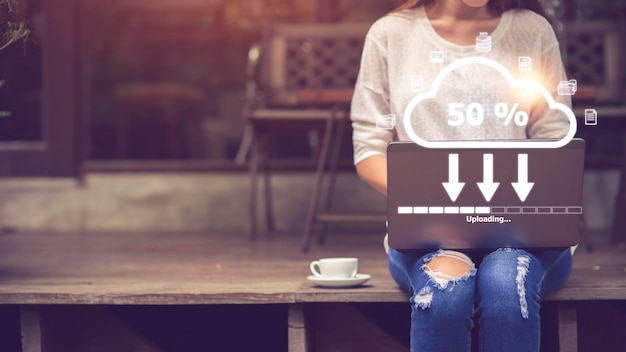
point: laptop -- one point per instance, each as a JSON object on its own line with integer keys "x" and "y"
{"x": 484, "y": 198}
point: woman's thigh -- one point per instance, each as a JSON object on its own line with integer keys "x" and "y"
{"x": 521, "y": 275}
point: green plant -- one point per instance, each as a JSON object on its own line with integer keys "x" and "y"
{"x": 12, "y": 31}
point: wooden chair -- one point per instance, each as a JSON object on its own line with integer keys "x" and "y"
{"x": 301, "y": 77}
{"x": 592, "y": 50}
{"x": 594, "y": 57}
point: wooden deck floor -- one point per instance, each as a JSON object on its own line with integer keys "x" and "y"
{"x": 196, "y": 269}
{"x": 165, "y": 268}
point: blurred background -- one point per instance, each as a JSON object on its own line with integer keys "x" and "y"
{"x": 112, "y": 102}
{"x": 131, "y": 116}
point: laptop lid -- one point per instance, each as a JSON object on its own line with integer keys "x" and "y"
{"x": 484, "y": 198}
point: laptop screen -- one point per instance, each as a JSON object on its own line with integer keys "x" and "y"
{"x": 484, "y": 198}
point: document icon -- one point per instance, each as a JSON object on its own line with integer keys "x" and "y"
{"x": 567, "y": 87}
{"x": 591, "y": 117}
{"x": 387, "y": 122}
{"x": 417, "y": 83}
{"x": 525, "y": 63}
{"x": 436, "y": 56}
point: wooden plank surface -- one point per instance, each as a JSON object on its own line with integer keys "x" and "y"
{"x": 144, "y": 268}
{"x": 164, "y": 268}
{"x": 169, "y": 268}
{"x": 598, "y": 274}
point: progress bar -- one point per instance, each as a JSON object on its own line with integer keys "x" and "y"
{"x": 496, "y": 210}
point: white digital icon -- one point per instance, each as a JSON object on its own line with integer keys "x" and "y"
{"x": 436, "y": 56}
{"x": 431, "y": 92}
{"x": 387, "y": 122}
{"x": 567, "y": 87}
{"x": 483, "y": 42}
{"x": 591, "y": 117}
{"x": 417, "y": 83}
{"x": 525, "y": 64}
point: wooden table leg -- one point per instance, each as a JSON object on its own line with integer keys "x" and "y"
{"x": 317, "y": 185}
{"x": 254, "y": 175}
{"x": 30, "y": 321}
{"x": 332, "y": 172}
{"x": 568, "y": 326}
{"x": 297, "y": 330}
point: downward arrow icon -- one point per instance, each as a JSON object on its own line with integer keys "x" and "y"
{"x": 488, "y": 187}
{"x": 522, "y": 186}
{"x": 453, "y": 186}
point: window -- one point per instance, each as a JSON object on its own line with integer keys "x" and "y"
{"x": 38, "y": 99}
{"x": 165, "y": 80}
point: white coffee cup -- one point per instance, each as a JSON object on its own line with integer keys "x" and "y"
{"x": 335, "y": 268}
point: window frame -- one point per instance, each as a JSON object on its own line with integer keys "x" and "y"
{"x": 59, "y": 153}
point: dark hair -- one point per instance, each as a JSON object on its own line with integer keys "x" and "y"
{"x": 497, "y": 5}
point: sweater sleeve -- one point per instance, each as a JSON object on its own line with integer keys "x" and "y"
{"x": 371, "y": 99}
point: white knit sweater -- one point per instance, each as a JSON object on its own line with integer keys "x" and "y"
{"x": 396, "y": 65}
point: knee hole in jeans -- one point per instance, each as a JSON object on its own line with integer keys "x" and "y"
{"x": 448, "y": 265}
{"x": 444, "y": 267}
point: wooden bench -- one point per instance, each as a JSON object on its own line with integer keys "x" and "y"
{"x": 49, "y": 275}
{"x": 596, "y": 276}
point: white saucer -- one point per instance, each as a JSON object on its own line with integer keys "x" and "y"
{"x": 358, "y": 279}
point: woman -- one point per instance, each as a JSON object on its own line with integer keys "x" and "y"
{"x": 403, "y": 53}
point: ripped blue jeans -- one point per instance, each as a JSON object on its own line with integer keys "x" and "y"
{"x": 501, "y": 292}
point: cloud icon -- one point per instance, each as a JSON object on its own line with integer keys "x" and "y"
{"x": 515, "y": 84}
